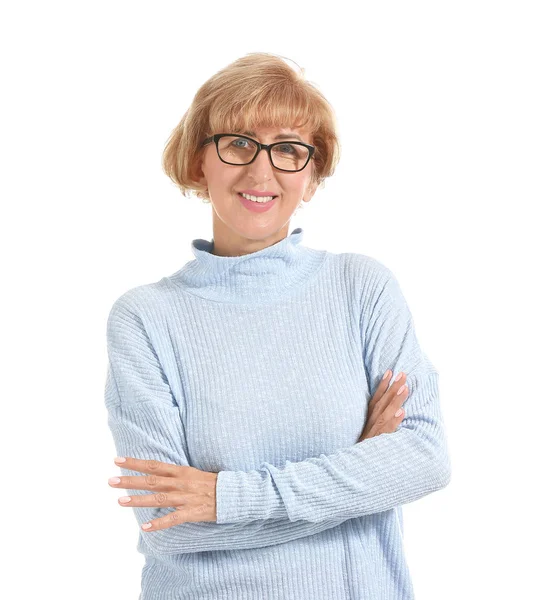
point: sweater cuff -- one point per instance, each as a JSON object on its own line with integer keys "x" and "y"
{"x": 247, "y": 496}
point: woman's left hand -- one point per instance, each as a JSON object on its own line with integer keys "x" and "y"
{"x": 191, "y": 491}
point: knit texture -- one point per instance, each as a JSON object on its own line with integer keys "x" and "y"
{"x": 260, "y": 367}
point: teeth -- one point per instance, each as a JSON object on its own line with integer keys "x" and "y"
{"x": 261, "y": 199}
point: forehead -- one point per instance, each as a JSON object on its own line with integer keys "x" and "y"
{"x": 279, "y": 133}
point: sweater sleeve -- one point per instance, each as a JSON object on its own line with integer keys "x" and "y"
{"x": 376, "y": 474}
{"x": 145, "y": 422}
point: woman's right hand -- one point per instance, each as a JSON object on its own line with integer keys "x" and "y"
{"x": 383, "y": 406}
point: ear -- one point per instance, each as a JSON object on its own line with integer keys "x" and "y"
{"x": 308, "y": 195}
{"x": 199, "y": 176}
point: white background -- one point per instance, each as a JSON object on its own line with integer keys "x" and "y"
{"x": 436, "y": 105}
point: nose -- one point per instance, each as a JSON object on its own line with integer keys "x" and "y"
{"x": 261, "y": 167}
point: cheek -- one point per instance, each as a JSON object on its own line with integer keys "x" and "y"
{"x": 297, "y": 187}
{"x": 216, "y": 173}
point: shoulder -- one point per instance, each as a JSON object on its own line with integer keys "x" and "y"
{"x": 372, "y": 285}
{"x": 138, "y": 304}
{"x": 362, "y": 271}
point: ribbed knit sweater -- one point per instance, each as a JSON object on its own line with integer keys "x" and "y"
{"x": 260, "y": 368}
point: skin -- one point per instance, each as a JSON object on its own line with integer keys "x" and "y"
{"x": 193, "y": 492}
{"x": 238, "y": 231}
{"x": 383, "y": 406}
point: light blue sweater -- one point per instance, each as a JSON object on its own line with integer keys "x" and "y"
{"x": 260, "y": 367}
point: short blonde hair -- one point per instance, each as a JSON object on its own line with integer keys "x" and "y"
{"x": 257, "y": 90}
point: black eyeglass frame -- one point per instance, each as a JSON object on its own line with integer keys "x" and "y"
{"x": 268, "y": 147}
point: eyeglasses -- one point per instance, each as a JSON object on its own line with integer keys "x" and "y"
{"x": 234, "y": 149}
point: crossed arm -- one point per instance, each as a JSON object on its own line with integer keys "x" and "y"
{"x": 273, "y": 505}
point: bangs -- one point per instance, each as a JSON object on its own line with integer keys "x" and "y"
{"x": 257, "y": 91}
{"x": 276, "y": 106}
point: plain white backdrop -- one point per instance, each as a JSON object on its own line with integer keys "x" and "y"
{"x": 436, "y": 106}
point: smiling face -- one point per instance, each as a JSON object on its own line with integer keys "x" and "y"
{"x": 241, "y": 226}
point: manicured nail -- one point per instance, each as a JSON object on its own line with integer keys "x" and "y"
{"x": 386, "y": 374}
{"x": 120, "y": 459}
{"x": 398, "y": 377}
{"x": 125, "y": 499}
{"x": 399, "y": 412}
{"x": 401, "y": 389}
{"x": 114, "y": 480}
{"x": 146, "y": 526}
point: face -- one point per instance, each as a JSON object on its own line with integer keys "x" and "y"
{"x": 237, "y": 227}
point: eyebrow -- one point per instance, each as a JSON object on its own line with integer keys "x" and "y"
{"x": 280, "y": 136}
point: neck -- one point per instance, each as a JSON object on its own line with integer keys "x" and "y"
{"x": 257, "y": 277}
{"x": 228, "y": 243}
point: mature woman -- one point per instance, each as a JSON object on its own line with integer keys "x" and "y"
{"x": 254, "y": 395}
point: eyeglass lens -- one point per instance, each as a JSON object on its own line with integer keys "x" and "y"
{"x": 240, "y": 151}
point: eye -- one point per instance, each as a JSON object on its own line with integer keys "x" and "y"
{"x": 286, "y": 148}
{"x": 237, "y": 141}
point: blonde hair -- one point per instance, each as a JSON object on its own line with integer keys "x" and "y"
{"x": 257, "y": 90}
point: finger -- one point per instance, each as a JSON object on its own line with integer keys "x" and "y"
{"x": 154, "y": 467}
{"x": 173, "y": 518}
{"x": 397, "y": 398}
{"x": 378, "y": 420}
{"x": 388, "y": 397}
{"x": 147, "y": 482}
{"x": 381, "y": 389}
{"x": 391, "y": 396}
{"x": 159, "y": 500}
{"x": 389, "y": 420}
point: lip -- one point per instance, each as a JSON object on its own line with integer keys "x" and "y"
{"x": 256, "y": 193}
{"x": 256, "y": 206}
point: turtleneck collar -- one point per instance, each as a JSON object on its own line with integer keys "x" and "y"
{"x": 257, "y": 277}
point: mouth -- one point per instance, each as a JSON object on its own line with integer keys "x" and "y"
{"x": 257, "y": 206}
{"x": 258, "y": 199}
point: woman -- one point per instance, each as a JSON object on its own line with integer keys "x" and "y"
{"x": 239, "y": 390}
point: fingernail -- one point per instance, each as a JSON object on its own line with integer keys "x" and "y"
{"x": 402, "y": 389}
{"x": 125, "y": 499}
{"x": 120, "y": 459}
{"x": 146, "y": 526}
{"x": 398, "y": 377}
{"x": 386, "y": 374}
{"x": 399, "y": 412}
{"x": 114, "y": 480}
